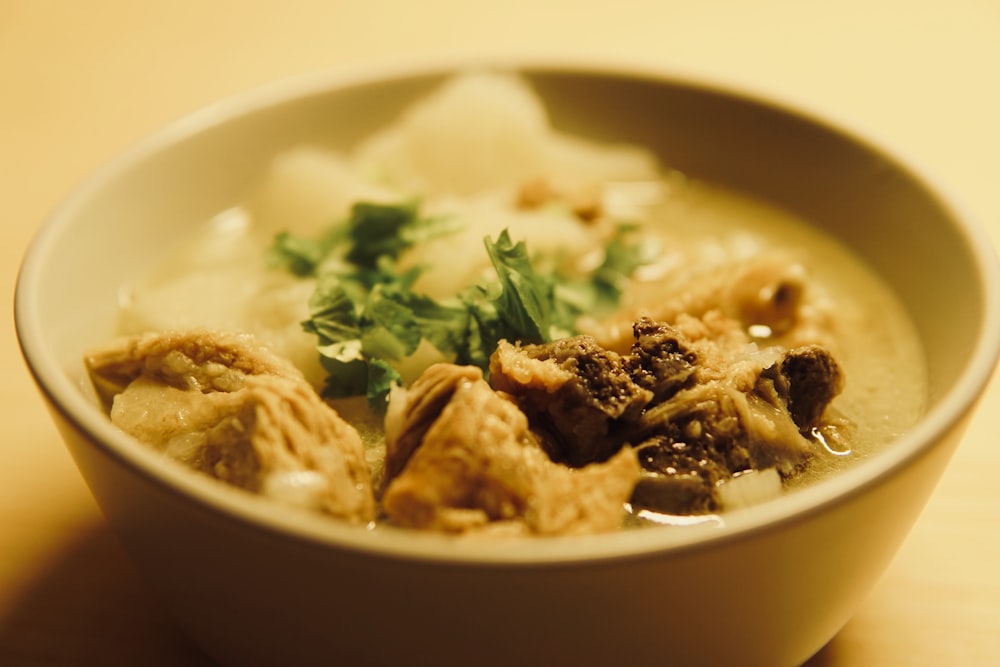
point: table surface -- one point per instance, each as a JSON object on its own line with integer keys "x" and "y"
{"x": 79, "y": 82}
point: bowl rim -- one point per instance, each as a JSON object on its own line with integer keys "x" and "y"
{"x": 64, "y": 395}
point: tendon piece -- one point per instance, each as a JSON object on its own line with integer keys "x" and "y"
{"x": 308, "y": 454}
{"x": 590, "y": 499}
{"x": 197, "y": 359}
{"x": 479, "y": 468}
{"x": 407, "y": 419}
{"x": 234, "y": 411}
{"x": 573, "y": 392}
{"x": 765, "y": 295}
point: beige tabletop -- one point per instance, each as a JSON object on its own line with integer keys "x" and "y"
{"x": 80, "y": 81}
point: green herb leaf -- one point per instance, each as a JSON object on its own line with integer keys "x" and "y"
{"x": 299, "y": 255}
{"x": 366, "y": 315}
{"x": 622, "y": 257}
{"x": 383, "y": 230}
{"x": 347, "y": 369}
{"x": 381, "y": 378}
{"x": 527, "y": 307}
{"x": 332, "y": 312}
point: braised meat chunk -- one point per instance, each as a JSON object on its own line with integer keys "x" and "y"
{"x": 476, "y": 466}
{"x": 765, "y": 294}
{"x": 574, "y": 393}
{"x": 198, "y": 360}
{"x": 744, "y": 409}
{"x": 231, "y": 409}
{"x": 660, "y": 360}
{"x": 699, "y": 402}
{"x": 407, "y": 420}
{"x": 805, "y": 381}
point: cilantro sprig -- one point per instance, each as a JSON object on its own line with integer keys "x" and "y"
{"x": 367, "y": 317}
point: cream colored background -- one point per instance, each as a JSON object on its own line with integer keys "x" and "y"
{"x": 80, "y": 81}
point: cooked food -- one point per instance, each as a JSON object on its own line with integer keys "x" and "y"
{"x": 229, "y": 408}
{"x": 699, "y": 408}
{"x": 474, "y": 323}
{"x": 461, "y": 456}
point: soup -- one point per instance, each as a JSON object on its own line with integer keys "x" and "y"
{"x": 474, "y": 323}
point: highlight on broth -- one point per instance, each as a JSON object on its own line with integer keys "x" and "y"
{"x": 472, "y": 322}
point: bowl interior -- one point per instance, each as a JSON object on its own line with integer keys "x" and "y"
{"x": 123, "y": 218}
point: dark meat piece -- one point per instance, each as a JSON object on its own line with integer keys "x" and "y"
{"x": 708, "y": 434}
{"x": 805, "y": 381}
{"x": 712, "y": 431}
{"x": 674, "y": 493}
{"x": 681, "y": 471}
{"x": 701, "y": 430}
{"x": 573, "y": 392}
{"x": 700, "y": 403}
{"x": 659, "y": 361}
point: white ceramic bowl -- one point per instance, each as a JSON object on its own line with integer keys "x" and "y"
{"x": 254, "y": 584}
